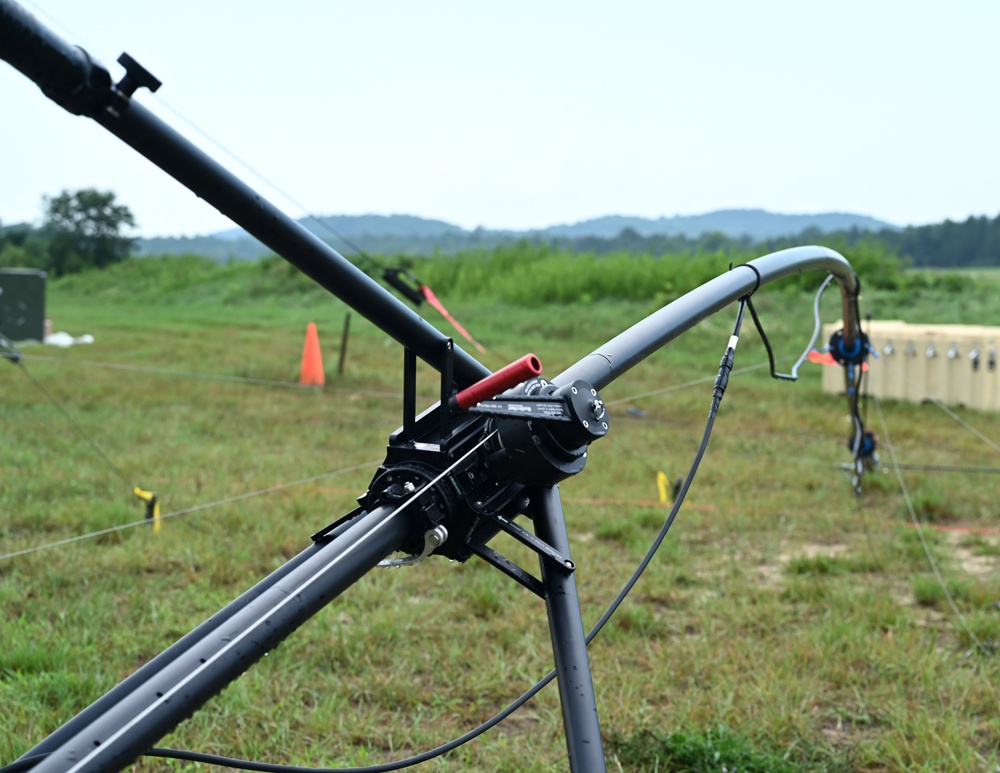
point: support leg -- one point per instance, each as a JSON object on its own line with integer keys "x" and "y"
{"x": 576, "y": 687}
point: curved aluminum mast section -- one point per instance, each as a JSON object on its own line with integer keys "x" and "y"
{"x": 624, "y": 351}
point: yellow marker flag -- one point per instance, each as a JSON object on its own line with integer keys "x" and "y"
{"x": 152, "y": 507}
{"x": 663, "y": 484}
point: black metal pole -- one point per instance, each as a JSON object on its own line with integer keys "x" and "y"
{"x": 169, "y": 655}
{"x": 569, "y": 644}
{"x": 151, "y": 137}
{"x": 120, "y": 731}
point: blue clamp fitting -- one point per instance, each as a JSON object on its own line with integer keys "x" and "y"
{"x": 855, "y": 355}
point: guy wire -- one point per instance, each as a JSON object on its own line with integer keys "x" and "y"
{"x": 188, "y": 510}
{"x": 76, "y": 426}
{"x": 204, "y": 375}
{"x": 918, "y": 525}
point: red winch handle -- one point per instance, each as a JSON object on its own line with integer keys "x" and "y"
{"x": 505, "y": 378}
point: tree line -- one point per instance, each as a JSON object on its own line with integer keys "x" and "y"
{"x": 88, "y": 229}
{"x": 80, "y": 229}
{"x": 973, "y": 243}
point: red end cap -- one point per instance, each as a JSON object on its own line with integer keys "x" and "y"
{"x": 505, "y": 378}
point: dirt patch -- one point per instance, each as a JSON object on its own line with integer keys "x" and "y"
{"x": 971, "y": 562}
{"x": 813, "y": 550}
{"x": 770, "y": 573}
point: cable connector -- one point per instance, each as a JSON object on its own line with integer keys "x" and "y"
{"x": 728, "y": 359}
{"x": 725, "y": 368}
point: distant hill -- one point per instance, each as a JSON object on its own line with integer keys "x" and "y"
{"x": 407, "y": 234}
{"x": 241, "y": 246}
{"x": 353, "y": 226}
{"x": 757, "y": 224}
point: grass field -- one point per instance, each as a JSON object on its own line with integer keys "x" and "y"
{"x": 785, "y": 622}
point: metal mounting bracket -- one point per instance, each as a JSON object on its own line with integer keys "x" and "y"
{"x": 433, "y": 539}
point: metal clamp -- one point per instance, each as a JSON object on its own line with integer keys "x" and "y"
{"x": 433, "y": 539}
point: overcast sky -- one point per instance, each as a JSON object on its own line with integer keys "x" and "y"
{"x": 520, "y": 114}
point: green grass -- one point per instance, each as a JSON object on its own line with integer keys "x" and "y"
{"x": 714, "y": 749}
{"x": 784, "y": 623}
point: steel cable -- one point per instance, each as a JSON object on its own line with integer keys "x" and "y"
{"x": 918, "y": 525}
{"x": 188, "y": 510}
{"x": 203, "y": 375}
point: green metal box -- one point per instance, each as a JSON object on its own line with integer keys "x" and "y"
{"x": 22, "y": 304}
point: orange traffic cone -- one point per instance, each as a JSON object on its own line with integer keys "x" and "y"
{"x": 312, "y": 361}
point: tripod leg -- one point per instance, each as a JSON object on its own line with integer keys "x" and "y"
{"x": 576, "y": 686}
